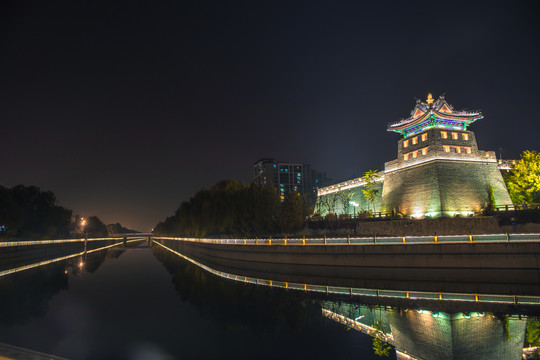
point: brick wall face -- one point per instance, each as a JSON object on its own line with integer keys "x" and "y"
{"x": 443, "y": 186}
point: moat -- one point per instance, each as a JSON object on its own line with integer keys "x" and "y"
{"x": 140, "y": 302}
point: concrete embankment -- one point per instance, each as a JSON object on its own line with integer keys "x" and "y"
{"x": 494, "y": 268}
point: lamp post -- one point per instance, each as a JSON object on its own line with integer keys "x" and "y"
{"x": 355, "y": 204}
{"x": 83, "y": 226}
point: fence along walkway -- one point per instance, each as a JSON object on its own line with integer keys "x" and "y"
{"x": 351, "y": 291}
{"x": 367, "y": 240}
{"x": 7, "y": 244}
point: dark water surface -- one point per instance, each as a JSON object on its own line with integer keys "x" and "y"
{"x": 137, "y": 305}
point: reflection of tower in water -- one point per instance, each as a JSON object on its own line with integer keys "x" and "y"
{"x": 422, "y": 334}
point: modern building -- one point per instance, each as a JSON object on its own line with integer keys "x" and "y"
{"x": 439, "y": 170}
{"x": 288, "y": 176}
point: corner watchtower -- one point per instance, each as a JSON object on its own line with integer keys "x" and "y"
{"x": 439, "y": 169}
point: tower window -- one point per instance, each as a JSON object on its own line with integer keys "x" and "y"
{"x": 465, "y": 136}
{"x": 415, "y": 154}
{"x": 424, "y": 151}
{"x": 406, "y": 143}
{"x": 444, "y": 134}
{"x": 446, "y": 148}
{"x": 424, "y": 137}
{"x": 458, "y": 149}
{"x": 468, "y": 150}
{"x": 406, "y": 157}
{"x": 454, "y": 136}
{"x": 415, "y": 140}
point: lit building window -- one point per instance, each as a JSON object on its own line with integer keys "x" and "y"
{"x": 424, "y": 151}
{"x": 468, "y": 150}
{"x": 424, "y": 137}
{"x": 415, "y": 140}
{"x": 446, "y": 148}
{"x": 454, "y": 136}
{"x": 444, "y": 134}
{"x": 406, "y": 143}
{"x": 465, "y": 136}
{"x": 406, "y": 157}
{"x": 458, "y": 149}
{"x": 415, "y": 154}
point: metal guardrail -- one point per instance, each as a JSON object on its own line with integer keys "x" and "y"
{"x": 436, "y": 239}
{"x": 50, "y": 261}
{"x": 49, "y": 242}
{"x": 379, "y": 293}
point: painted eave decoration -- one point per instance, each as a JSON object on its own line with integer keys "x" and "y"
{"x": 433, "y": 113}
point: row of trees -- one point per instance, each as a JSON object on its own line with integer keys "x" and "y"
{"x": 27, "y": 212}
{"x": 236, "y": 209}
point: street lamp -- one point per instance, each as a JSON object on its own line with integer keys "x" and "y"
{"x": 83, "y": 226}
{"x": 355, "y": 204}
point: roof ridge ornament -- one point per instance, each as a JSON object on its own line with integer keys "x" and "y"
{"x": 434, "y": 114}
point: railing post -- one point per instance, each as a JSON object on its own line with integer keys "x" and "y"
{"x": 324, "y": 239}
{"x": 375, "y": 238}
{"x": 348, "y": 239}
{"x": 507, "y": 237}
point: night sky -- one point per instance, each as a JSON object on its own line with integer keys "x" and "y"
{"x": 126, "y": 109}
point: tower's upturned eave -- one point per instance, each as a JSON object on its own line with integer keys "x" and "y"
{"x": 434, "y": 118}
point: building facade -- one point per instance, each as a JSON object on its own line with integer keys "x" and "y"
{"x": 439, "y": 170}
{"x": 287, "y": 177}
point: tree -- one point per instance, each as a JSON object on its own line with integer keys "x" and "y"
{"x": 331, "y": 204}
{"x": 380, "y": 346}
{"x": 26, "y": 211}
{"x": 371, "y": 190}
{"x": 523, "y": 180}
{"x": 532, "y": 335}
{"x": 95, "y": 227}
{"x": 490, "y": 207}
{"x": 292, "y": 212}
{"x": 346, "y": 197}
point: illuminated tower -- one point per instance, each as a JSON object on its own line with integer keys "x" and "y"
{"x": 439, "y": 169}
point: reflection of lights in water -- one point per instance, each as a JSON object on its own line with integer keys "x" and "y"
{"x": 354, "y": 291}
{"x": 65, "y": 271}
{"x": 81, "y": 264}
{"x": 46, "y": 262}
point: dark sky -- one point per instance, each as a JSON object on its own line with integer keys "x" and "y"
{"x": 125, "y": 110}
